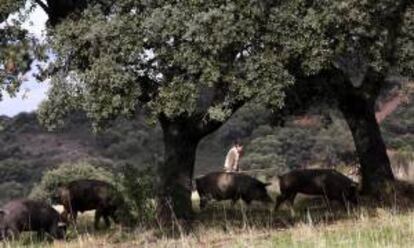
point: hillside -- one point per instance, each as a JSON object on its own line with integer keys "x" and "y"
{"x": 27, "y": 149}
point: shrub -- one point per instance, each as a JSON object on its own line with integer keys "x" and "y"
{"x": 137, "y": 186}
{"x": 259, "y": 161}
{"x": 67, "y": 172}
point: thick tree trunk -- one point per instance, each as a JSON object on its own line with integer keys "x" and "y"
{"x": 376, "y": 171}
{"x": 176, "y": 173}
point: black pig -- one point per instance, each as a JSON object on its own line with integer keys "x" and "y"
{"x": 324, "y": 182}
{"x": 230, "y": 186}
{"x": 30, "y": 215}
{"x": 87, "y": 194}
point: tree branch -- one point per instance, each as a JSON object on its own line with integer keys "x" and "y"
{"x": 148, "y": 88}
{"x": 205, "y": 127}
{"x": 43, "y": 6}
{"x": 395, "y": 23}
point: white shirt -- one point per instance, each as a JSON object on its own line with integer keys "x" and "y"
{"x": 231, "y": 163}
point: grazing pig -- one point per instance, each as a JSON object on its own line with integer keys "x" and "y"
{"x": 87, "y": 194}
{"x": 229, "y": 185}
{"x": 29, "y": 215}
{"x": 325, "y": 182}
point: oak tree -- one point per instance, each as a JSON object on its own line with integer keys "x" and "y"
{"x": 189, "y": 64}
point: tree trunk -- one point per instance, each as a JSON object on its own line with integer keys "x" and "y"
{"x": 359, "y": 113}
{"x": 176, "y": 173}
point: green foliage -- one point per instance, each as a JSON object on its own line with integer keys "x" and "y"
{"x": 292, "y": 146}
{"x": 138, "y": 187}
{"x": 320, "y": 34}
{"x": 398, "y": 128}
{"x": 187, "y": 58}
{"x": 17, "y": 177}
{"x": 8, "y": 7}
{"x": 405, "y": 51}
{"x": 65, "y": 173}
{"x": 15, "y": 170}
{"x": 17, "y": 48}
{"x": 256, "y": 160}
{"x": 131, "y": 141}
{"x": 286, "y": 148}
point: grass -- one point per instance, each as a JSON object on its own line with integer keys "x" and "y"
{"x": 220, "y": 225}
{"x": 385, "y": 230}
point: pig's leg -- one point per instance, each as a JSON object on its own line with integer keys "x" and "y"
{"x": 55, "y": 232}
{"x": 204, "y": 199}
{"x": 247, "y": 199}
{"x": 40, "y": 235}
{"x": 3, "y": 234}
{"x": 98, "y": 215}
{"x": 69, "y": 214}
{"x": 353, "y": 196}
{"x": 6, "y": 233}
{"x": 291, "y": 199}
{"x": 203, "y": 202}
{"x": 114, "y": 217}
{"x": 106, "y": 219}
{"x": 73, "y": 215}
{"x": 279, "y": 200}
{"x": 347, "y": 200}
{"x": 12, "y": 233}
{"x": 329, "y": 195}
{"x": 65, "y": 216}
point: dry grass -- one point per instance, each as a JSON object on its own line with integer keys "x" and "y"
{"x": 257, "y": 226}
{"x": 362, "y": 228}
{"x": 313, "y": 224}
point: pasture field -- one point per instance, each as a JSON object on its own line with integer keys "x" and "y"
{"x": 312, "y": 224}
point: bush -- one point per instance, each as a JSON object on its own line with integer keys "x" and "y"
{"x": 292, "y": 146}
{"x": 138, "y": 188}
{"x": 260, "y": 161}
{"x": 283, "y": 148}
{"x": 65, "y": 173}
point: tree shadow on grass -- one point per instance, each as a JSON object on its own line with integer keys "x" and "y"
{"x": 307, "y": 210}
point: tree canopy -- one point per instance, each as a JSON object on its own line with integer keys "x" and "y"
{"x": 179, "y": 58}
{"x": 18, "y": 48}
{"x": 164, "y": 55}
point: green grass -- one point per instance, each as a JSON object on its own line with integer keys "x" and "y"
{"x": 382, "y": 231}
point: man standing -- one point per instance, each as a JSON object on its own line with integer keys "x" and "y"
{"x": 233, "y": 157}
